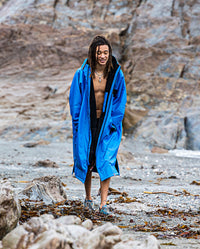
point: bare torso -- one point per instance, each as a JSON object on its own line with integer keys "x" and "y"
{"x": 99, "y": 90}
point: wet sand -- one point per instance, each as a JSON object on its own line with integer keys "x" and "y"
{"x": 162, "y": 191}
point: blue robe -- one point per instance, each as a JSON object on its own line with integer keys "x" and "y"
{"x": 109, "y": 136}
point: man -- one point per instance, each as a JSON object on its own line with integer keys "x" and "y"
{"x": 97, "y": 104}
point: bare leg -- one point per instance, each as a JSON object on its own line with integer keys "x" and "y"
{"x": 88, "y": 184}
{"x": 104, "y": 191}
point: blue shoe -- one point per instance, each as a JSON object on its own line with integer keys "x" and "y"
{"x": 104, "y": 210}
{"x": 89, "y": 204}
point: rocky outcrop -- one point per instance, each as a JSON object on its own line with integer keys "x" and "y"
{"x": 156, "y": 42}
{"x": 161, "y": 70}
{"x": 69, "y": 232}
{"x": 10, "y": 209}
{"x": 48, "y": 189}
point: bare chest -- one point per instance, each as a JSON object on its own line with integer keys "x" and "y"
{"x": 99, "y": 87}
{"x": 99, "y": 91}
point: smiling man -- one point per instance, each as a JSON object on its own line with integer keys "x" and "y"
{"x": 97, "y": 104}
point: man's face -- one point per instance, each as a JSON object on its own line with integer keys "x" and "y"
{"x": 102, "y": 54}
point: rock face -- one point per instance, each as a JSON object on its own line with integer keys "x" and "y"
{"x": 69, "y": 232}
{"x": 161, "y": 69}
{"x": 10, "y": 210}
{"x": 156, "y": 41}
{"x": 48, "y": 189}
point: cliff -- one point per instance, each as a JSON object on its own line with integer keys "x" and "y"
{"x": 156, "y": 42}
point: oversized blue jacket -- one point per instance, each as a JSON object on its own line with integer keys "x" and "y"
{"x": 111, "y": 130}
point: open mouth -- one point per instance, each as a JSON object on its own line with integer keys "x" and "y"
{"x": 102, "y": 61}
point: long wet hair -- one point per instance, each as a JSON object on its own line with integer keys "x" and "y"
{"x": 96, "y": 42}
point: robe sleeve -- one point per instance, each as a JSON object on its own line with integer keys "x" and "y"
{"x": 119, "y": 100}
{"x": 75, "y": 100}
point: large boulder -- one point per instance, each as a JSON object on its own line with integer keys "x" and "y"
{"x": 10, "y": 209}
{"x": 48, "y": 189}
{"x": 192, "y": 127}
{"x": 170, "y": 129}
{"x": 148, "y": 243}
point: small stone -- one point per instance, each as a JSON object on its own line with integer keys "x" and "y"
{"x": 88, "y": 224}
{"x": 46, "y": 163}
